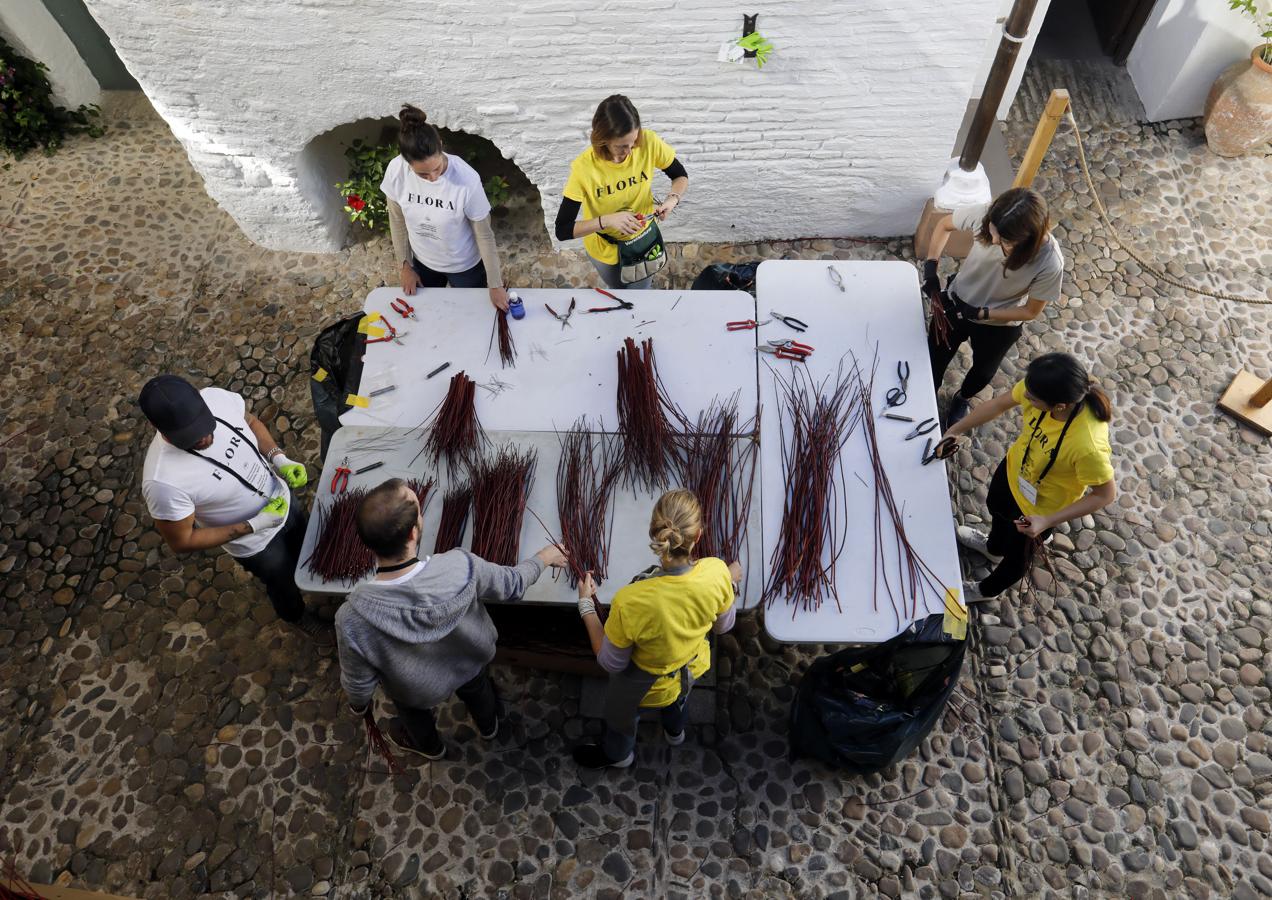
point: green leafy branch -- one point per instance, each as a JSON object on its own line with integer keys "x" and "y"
{"x": 1262, "y": 18}
{"x": 29, "y": 119}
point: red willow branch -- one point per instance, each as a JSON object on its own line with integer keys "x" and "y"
{"x": 717, "y": 462}
{"x": 339, "y": 554}
{"x": 585, "y": 479}
{"x": 939, "y": 322}
{"x": 507, "y": 348}
{"x": 501, "y": 486}
{"x": 455, "y": 434}
{"x": 455, "y": 506}
{"x": 645, "y": 417}
{"x": 377, "y": 742}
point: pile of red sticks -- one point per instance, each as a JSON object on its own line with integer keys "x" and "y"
{"x": 455, "y": 434}
{"x": 507, "y": 349}
{"x": 717, "y": 463}
{"x": 450, "y": 531}
{"x": 817, "y": 420}
{"x": 18, "y": 888}
{"x": 585, "y": 479}
{"x": 938, "y": 321}
{"x": 645, "y": 417}
{"x": 377, "y": 742}
{"x": 339, "y": 554}
{"x": 501, "y": 486}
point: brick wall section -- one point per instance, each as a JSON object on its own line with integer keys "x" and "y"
{"x": 845, "y": 132}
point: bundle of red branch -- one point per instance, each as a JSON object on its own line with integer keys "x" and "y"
{"x": 817, "y": 420}
{"x": 717, "y": 463}
{"x": 18, "y": 888}
{"x": 455, "y": 434}
{"x": 501, "y": 486}
{"x": 377, "y": 742}
{"x": 339, "y": 554}
{"x": 450, "y": 531}
{"x": 507, "y": 349}
{"x": 645, "y": 417}
{"x": 586, "y": 475}
{"x": 938, "y": 322}
{"x": 912, "y": 576}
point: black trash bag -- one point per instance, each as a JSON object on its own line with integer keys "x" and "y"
{"x": 335, "y": 369}
{"x": 862, "y": 709}
{"x": 727, "y": 277}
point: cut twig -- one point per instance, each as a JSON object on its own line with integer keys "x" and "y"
{"x": 501, "y": 486}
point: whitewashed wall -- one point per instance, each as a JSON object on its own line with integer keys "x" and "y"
{"x": 845, "y": 132}
{"x": 31, "y": 29}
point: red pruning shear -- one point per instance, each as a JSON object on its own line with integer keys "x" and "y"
{"x": 403, "y": 308}
{"x": 745, "y": 325}
{"x": 787, "y": 349}
{"x": 391, "y": 335}
{"x": 622, "y": 304}
{"x": 340, "y": 480}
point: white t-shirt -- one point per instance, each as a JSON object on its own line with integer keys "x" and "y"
{"x": 438, "y": 212}
{"x": 177, "y": 483}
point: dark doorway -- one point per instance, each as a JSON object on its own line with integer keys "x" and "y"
{"x": 93, "y": 45}
{"x": 1091, "y": 29}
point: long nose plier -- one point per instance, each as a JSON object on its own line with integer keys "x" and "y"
{"x": 622, "y": 304}
{"x": 790, "y": 321}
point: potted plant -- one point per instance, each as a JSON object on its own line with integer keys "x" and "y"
{"x": 1238, "y": 116}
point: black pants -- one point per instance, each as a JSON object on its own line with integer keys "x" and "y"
{"x": 1015, "y": 548}
{"x": 275, "y": 566}
{"x": 469, "y": 278}
{"x": 990, "y": 344}
{"x": 478, "y": 695}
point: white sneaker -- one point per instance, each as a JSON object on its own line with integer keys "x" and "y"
{"x": 975, "y": 540}
{"x": 674, "y": 739}
{"x": 972, "y": 594}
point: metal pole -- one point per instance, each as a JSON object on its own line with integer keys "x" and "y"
{"x": 1015, "y": 30}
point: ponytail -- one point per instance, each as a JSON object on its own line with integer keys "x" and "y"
{"x": 1098, "y": 402}
{"x": 417, "y": 139}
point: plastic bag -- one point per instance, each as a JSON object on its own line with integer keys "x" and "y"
{"x": 335, "y": 370}
{"x": 862, "y": 709}
{"x": 727, "y": 277}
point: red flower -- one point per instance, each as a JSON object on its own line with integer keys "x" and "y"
{"x": 356, "y": 203}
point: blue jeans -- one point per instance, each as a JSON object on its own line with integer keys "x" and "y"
{"x": 609, "y": 273}
{"x": 275, "y": 566}
{"x": 469, "y": 278}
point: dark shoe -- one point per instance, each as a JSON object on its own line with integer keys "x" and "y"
{"x": 958, "y": 410}
{"x": 592, "y": 756}
{"x": 489, "y": 732}
{"x": 674, "y": 739}
{"x": 401, "y": 738}
{"x": 321, "y": 633}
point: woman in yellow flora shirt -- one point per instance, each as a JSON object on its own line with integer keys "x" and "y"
{"x": 1062, "y": 451}
{"x": 611, "y": 182}
{"x": 654, "y": 643}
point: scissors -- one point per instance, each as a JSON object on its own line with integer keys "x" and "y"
{"x": 896, "y": 396}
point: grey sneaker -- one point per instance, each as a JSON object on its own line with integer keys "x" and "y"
{"x": 674, "y": 739}
{"x": 975, "y": 540}
{"x": 322, "y": 633}
{"x": 972, "y": 594}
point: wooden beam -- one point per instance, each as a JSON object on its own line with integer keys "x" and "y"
{"x": 1057, "y": 105}
{"x": 1247, "y": 401}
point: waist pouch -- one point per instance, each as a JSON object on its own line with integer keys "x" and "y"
{"x": 641, "y": 256}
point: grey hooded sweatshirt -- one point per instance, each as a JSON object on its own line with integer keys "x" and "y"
{"x": 424, "y": 637}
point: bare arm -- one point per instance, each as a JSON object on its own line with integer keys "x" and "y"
{"x": 264, "y": 440}
{"x": 1095, "y": 500}
{"x": 941, "y": 232}
{"x": 595, "y": 631}
{"x": 986, "y": 412}
{"x": 183, "y": 537}
{"x": 1027, "y": 313}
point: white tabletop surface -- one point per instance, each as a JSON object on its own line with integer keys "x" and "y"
{"x": 881, "y": 307}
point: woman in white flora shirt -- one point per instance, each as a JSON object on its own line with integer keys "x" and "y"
{"x": 439, "y": 216}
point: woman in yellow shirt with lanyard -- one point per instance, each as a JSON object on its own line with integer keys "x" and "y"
{"x": 654, "y": 643}
{"x": 1062, "y": 451}
{"x": 611, "y": 182}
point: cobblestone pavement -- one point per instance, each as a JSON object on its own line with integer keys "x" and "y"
{"x": 162, "y": 736}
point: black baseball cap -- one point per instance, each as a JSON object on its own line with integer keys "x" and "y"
{"x": 173, "y": 406}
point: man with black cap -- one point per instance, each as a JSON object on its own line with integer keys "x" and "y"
{"x": 215, "y": 477}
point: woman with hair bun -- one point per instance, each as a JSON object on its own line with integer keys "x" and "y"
{"x": 1059, "y": 468}
{"x": 611, "y": 182}
{"x": 654, "y": 643}
{"x": 439, "y": 217}
{"x": 1014, "y": 269}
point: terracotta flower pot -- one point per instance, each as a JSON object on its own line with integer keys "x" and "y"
{"x": 1239, "y": 108}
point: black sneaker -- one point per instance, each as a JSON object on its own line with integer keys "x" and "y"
{"x": 958, "y": 410}
{"x": 321, "y": 633}
{"x": 401, "y": 738}
{"x": 592, "y": 756}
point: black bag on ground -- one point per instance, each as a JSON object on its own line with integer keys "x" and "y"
{"x": 335, "y": 371}
{"x": 727, "y": 277}
{"x": 862, "y": 709}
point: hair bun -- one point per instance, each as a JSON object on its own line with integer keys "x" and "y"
{"x": 412, "y": 115}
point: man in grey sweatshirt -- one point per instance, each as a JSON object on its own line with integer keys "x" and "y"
{"x": 419, "y": 628}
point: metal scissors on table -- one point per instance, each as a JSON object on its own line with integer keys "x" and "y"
{"x": 922, "y": 428}
{"x": 745, "y": 325}
{"x": 896, "y": 396}
{"x": 390, "y": 335}
{"x": 563, "y": 319}
{"x": 837, "y": 279}
{"x": 789, "y": 321}
{"x": 403, "y": 308}
{"x": 340, "y": 480}
{"x": 622, "y": 304}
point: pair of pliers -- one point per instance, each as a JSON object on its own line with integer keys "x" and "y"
{"x": 565, "y": 319}
{"x": 896, "y": 396}
{"x": 622, "y": 304}
{"x": 403, "y": 308}
{"x": 391, "y": 335}
{"x": 790, "y": 346}
{"x": 789, "y": 321}
{"x": 922, "y": 428}
{"x": 340, "y": 479}
{"x": 745, "y": 325}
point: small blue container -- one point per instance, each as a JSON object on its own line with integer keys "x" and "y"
{"x": 516, "y": 308}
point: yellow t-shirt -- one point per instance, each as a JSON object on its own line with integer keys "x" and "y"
{"x": 605, "y": 187}
{"x": 667, "y": 619}
{"x": 1084, "y": 459}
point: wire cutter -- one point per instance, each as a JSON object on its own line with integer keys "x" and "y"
{"x": 790, "y": 346}
{"x": 745, "y": 325}
{"x": 391, "y": 335}
{"x": 790, "y": 321}
{"x": 622, "y": 304}
{"x": 896, "y": 396}
{"x": 340, "y": 480}
{"x": 563, "y": 319}
{"x": 403, "y": 308}
{"x": 922, "y": 428}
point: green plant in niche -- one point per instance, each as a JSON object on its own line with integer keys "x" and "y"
{"x": 363, "y": 200}
{"x": 29, "y": 119}
{"x": 1261, "y": 13}
{"x": 498, "y": 190}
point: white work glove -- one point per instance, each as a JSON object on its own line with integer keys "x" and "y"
{"x": 271, "y": 516}
{"x": 587, "y": 595}
{"x": 293, "y": 472}
{"x": 587, "y": 605}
